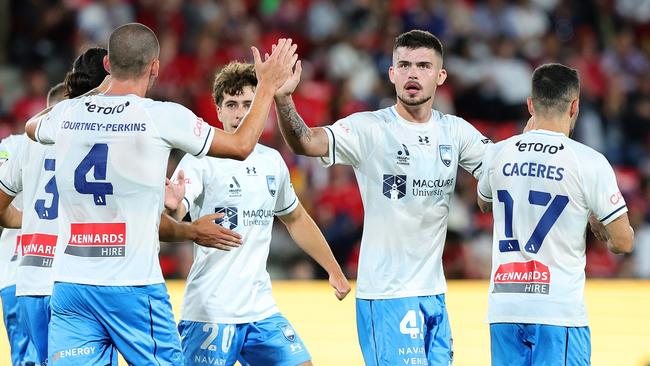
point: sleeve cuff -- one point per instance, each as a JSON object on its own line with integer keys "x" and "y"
{"x": 7, "y": 190}
{"x": 483, "y": 196}
{"x": 289, "y": 209}
{"x": 614, "y": 215}
{"x": 206, "y": 144}
{"x": 330, "y": 159}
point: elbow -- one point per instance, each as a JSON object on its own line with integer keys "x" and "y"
{"x": 243, "y": 151}
{"x": 623, "y": 245}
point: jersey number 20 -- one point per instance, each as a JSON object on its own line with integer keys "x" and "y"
{"x": 550, "y": 216}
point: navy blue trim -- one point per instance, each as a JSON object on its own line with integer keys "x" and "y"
{"x": 38, "y": 130}
{"x": 188, "y": 203}
{"x": 333, "y": 144}
{"x": 615, "y": 211}
{"x": 288, "y": 207}
{"x": 478, "y": 166}
{"x": 483, "y": 195}
{"x": 9, "y": 189}
{"x": 155, "y": 345}
{"x": 205, "y": 142}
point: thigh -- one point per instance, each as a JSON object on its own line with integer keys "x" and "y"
{"x": 508, "y": 345}
{"x": 76, "y": 337}
{"x": 273, "y": 342}
{"x": 210, "y": 343}
{"x": 437, "y": 331}
{"x": 145, "y": 334}
{"x": 579, "y": 346}
{"x": 35, "y": 312}
{"x": 392, "y": 331}
{"x": 21, "y": 348}
{"x": 556, "y": 345}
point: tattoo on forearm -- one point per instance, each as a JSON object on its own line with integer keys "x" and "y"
{"x": 292, "y": 122}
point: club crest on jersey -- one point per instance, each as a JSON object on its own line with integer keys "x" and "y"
{"x": 288, "y": 332}
{"x": 394, "y": 186}
{"x": 271, "y": 185}
{"x": 229, "y": 219}
{"x": 445, "y": 154}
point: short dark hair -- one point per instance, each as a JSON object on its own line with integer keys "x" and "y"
{"x": 87, "y": 72}
{"x": 419, "y": 39}
{"x": 131, "y": 48}
{"x": 232, "y": 79}
{"x": 56, "y": 94}
{"x": 554, "y": 87}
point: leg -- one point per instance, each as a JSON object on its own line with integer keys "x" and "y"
{"x": 35, "y": 311}
{"x": 508, "y": 346}
{"x": 274, "y": 342}
{"x": 21, "y": 349}
{"x": 212, "y": 344}
{"x": 579, "y": 347}
{"x": 437, "y": 339}
{"x": 76, "y": 337}
{"x": 557, "y": 345}
{"x": 391, "y": 331}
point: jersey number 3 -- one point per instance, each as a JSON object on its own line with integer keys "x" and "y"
{"x": 96, "y": 159}
{"x": 550, "y": 216}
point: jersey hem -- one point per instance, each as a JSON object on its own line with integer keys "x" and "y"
{"x": 232, "y": 320}
{"x": 555, "y": 322}
{"x": 34, "y": 292}
{"x": 375, "y": 296}
{"x": 143, "y": 282}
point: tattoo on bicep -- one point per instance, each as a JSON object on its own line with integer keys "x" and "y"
{"x": 294, "y": 123}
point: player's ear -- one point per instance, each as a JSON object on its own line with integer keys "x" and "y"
{"x": 155, "y": 67}
{"x": 574, "y": 108}
{"x": 442, "y": 76}
{"x": 531, "y": 107}
{"x": 107, "y": 65}
{"x": 391, "y": 74}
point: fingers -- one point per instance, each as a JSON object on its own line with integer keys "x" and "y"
{"x": 214, "y": 216}
{"x": 256, "y": 55}
{"x": 181, "y": 175}
{"x": 298, "y": 70}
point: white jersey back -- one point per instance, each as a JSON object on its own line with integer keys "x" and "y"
{"x": 544, "y": 185}
{"x": 10, "y": 147}
{"x": 406, "y": 174}
{"x": 31, "y": 173}
{"x": 234, "y": 286}
{"x": 111, "y": 158}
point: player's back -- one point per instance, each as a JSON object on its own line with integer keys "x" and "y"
{"x": 544, "y": 186}
{"x": 111, "y": 159}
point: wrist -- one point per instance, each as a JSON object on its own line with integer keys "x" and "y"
{"x": 283, "y": 99}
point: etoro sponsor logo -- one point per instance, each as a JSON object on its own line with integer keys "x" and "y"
{"x": 38, "y": 249}
{"x": 530, "y": 277}
{"x": 97, "y": 239}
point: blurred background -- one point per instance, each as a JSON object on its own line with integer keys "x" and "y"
{"x": 492, "y": 47}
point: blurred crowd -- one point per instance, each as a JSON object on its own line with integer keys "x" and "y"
{"x": 491, "y": 49}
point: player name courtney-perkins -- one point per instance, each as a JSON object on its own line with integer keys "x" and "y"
{"x": 96, "y": 126}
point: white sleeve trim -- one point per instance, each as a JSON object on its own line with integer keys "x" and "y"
{"x": 330, "y": 159}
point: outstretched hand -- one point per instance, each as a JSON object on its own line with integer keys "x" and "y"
{"x": 276, "y": 67}
{"x": 291, "y": 84}
{"x": 212, "y": 235}
{"x": 174, "y": 191}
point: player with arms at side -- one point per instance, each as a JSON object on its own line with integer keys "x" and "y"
{"x": 111, "y": 155}
{"x": 405, "y": 159}
{"x": 542, "y": 187}
{"x": 229, "y": 312}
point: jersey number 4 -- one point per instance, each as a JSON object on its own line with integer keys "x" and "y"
{"x": 550, "y": 216}
{"x": 96, "y": 159}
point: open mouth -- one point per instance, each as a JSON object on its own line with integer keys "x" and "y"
{"x": 412, "y": 87}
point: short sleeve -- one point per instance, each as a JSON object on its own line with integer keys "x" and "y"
{"x": 194, "y": 170}
{"x": 347, "y": 141}
{"x": 603, "y": 196}
{"x": 48, "y": 124}
{"x": 286, "y": 201}
{"x": 484, "y": 187}
{"x": 183, "y": 130}
{"x": 472, "y": 145}
{"x": 11, "y": 175}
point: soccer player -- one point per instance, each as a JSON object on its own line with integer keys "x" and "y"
{"x": 111, "y": 155}
{"x": 405, "y": 158}
{"x": 228, "y": 311}
{"x": 542, "y": 187}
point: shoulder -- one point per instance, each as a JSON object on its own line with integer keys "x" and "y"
{"x": 163, "y": 107}
{"x": 583, "y": 153}
{"x": 269, "y": 154}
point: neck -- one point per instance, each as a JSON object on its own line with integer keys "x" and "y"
{"x": 417, "y": 113}
{"x": 555, "y": 125}
{"x": 138, "y": 87}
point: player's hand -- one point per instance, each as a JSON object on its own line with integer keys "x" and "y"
{"x": 209, "y": 234}
{"x": 530, "y": 125}
{"x": 340, "y": 284}
{"x": 174, "y": 191}
{"x": 277, "y": 67}
{"x": 291, "y": 84}
{"x": 598, "y": 229}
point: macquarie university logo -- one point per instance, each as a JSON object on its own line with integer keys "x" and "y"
{"x": 394, "y": 186}
{"x": 445, "y": 154}
{"x": 229, "y": 219}
{"x": 271, "y": 184}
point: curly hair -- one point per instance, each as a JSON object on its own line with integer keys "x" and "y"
{"x": 87, "y": 72}
{"x": 232, "y": 80}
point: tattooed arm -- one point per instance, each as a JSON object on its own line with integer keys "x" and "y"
{"x": 301, "y": 139}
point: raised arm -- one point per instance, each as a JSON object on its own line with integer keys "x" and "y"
{"x": 308, "y": 236}
{"x": 301, "y": 139}
{"x": 271, "y": 74}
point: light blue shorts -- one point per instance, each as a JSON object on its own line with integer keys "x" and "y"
{"x": 35, "y": 313}
{"x": 22, "y": 350}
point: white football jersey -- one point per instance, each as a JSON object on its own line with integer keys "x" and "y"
{"x": 233, "y": 286}
{"x": 406, "y": 174}
{"x": 111, "y": 156}
{"x": 10, "y": 147}
{"x": 543, "y": 186}
{"x": 31, "y": 173}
